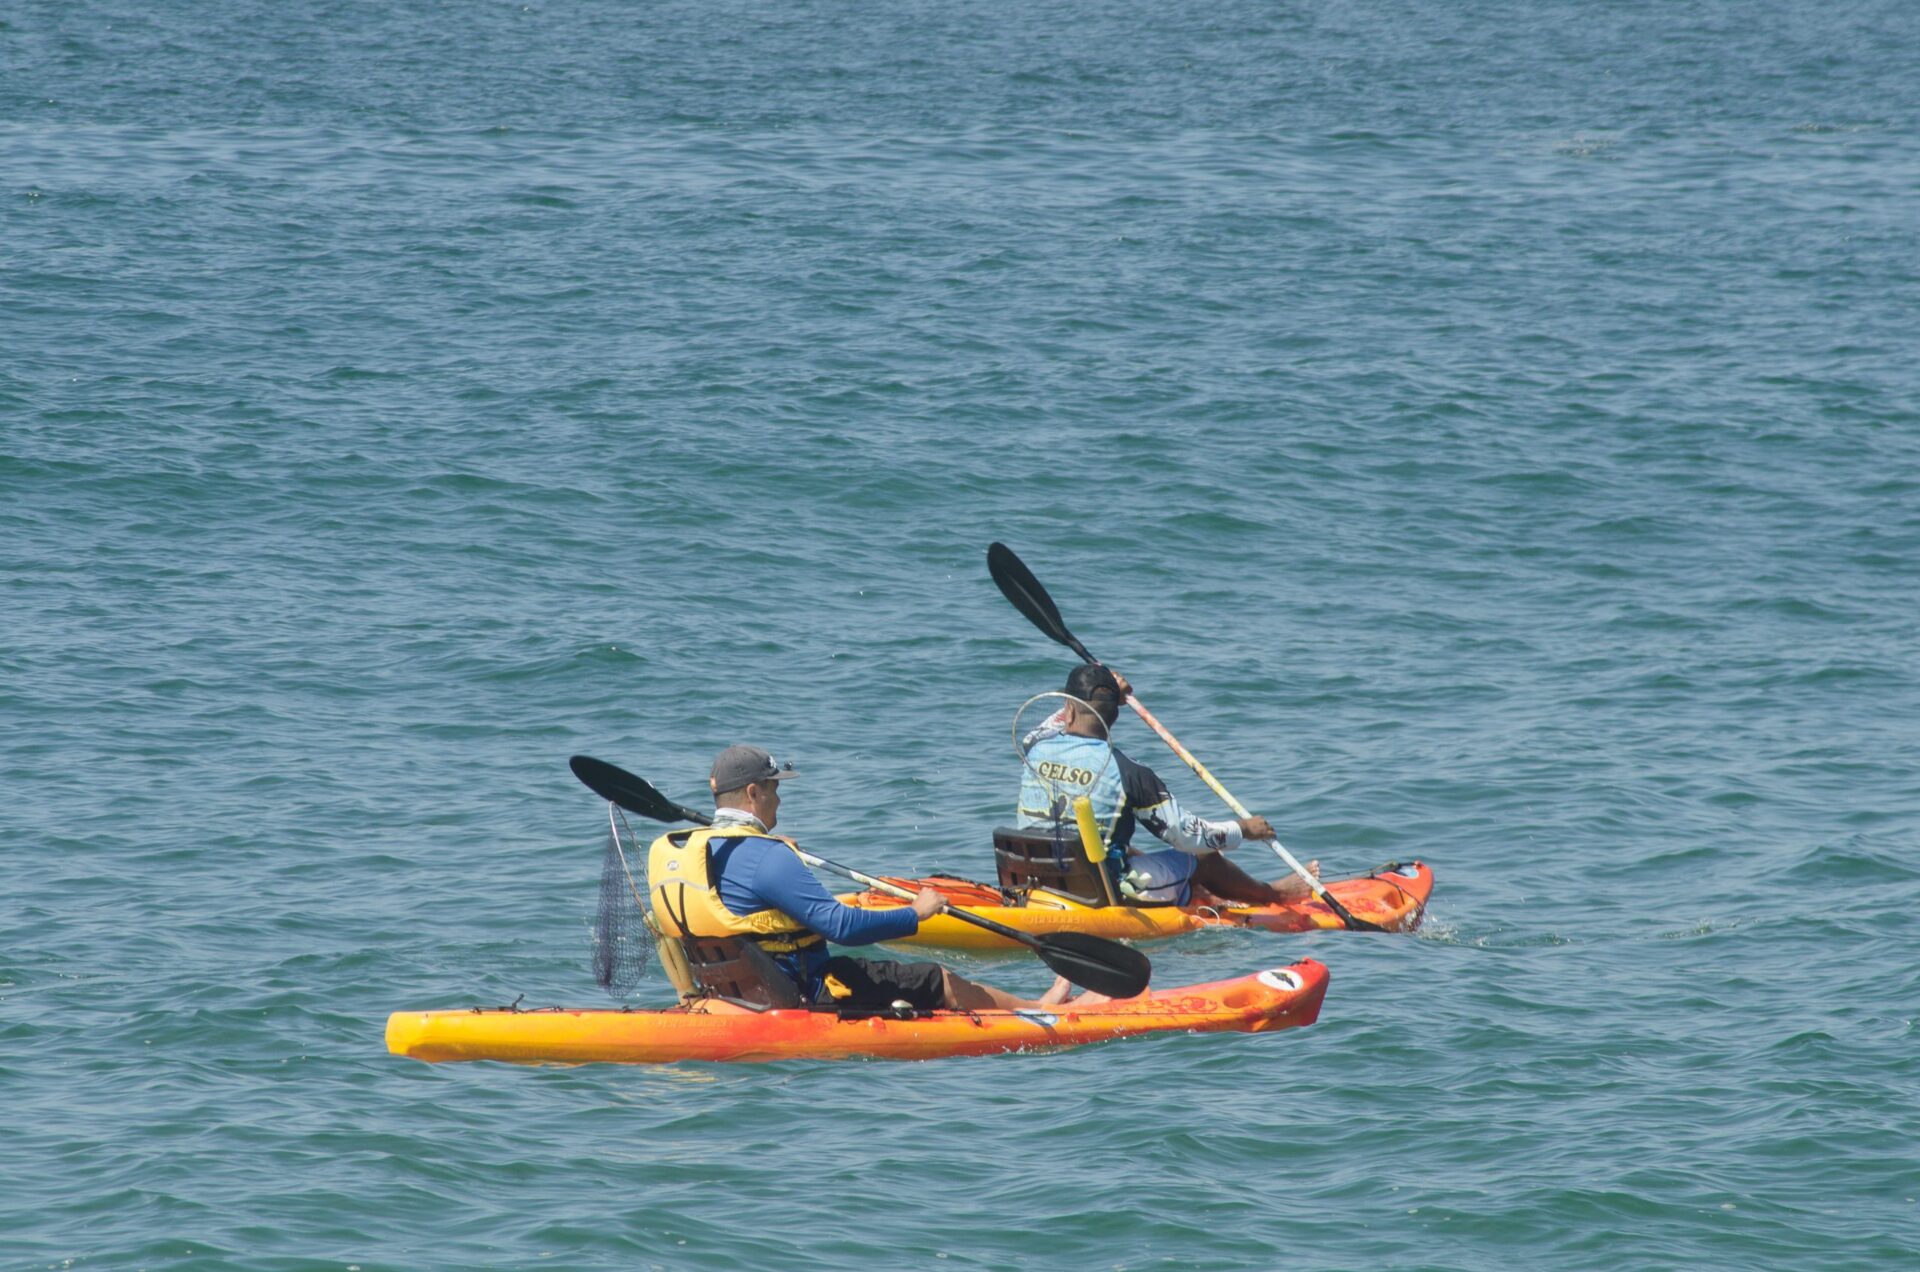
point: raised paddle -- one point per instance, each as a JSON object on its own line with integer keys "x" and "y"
{"x": 1093, "y": 962}
{"x": 1017, "y": 584}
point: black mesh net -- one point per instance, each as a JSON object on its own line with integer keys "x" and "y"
{"x": 620, "y": 936}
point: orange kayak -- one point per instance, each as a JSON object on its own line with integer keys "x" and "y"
{"x": 1282, "y": 998}
{"x": 1393, "y": 896}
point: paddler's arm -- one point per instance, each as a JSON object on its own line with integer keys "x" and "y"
{"x": 1162, "y": 815}
{"x": 781, "y": 881}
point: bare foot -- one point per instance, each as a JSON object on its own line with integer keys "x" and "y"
{"x": 1061, "y": 993}
{"x": 1293, "y": 887}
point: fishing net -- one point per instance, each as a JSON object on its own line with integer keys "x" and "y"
{"x": 621, "y": 938}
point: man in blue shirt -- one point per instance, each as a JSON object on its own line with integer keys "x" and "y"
{"x": 766, "y": 893}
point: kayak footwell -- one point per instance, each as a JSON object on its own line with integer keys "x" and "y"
{"x": 1282, "y": 998}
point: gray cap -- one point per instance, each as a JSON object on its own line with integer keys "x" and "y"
{"x": 738, "y": 765}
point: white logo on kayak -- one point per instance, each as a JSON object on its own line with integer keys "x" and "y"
{"x": 1045, "y": 1019}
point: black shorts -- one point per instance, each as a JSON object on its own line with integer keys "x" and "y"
{"x": 874, "y": 984}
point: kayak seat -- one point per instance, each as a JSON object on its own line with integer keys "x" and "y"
{"x": 1057, "y": 862}
{"x": 739, "y": 971}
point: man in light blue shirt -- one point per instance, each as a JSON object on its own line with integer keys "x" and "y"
{"x": 1069, "y": 755}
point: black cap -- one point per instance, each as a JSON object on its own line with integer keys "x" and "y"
{"x": 1086, "y": 678}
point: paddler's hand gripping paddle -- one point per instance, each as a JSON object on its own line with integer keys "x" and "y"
{"x": 1093, "y": 962}
{"x": 1017, "y": 584}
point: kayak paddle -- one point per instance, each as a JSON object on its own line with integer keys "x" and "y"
{"x": 1092, "y": 962}
{"x": 1017, "y": 584}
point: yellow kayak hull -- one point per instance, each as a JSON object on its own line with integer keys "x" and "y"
{"x": 1394, "y": 897}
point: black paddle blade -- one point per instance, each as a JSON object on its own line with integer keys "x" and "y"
{"x": 635, "y": 794}
{"x": 1353, "y": 921}
{"x": 1095, "y": 963}
{"x": 1017, "y": 584}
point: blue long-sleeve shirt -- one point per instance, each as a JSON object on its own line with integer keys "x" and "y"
{"x": 757, "y": 873}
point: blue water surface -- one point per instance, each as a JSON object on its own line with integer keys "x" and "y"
{"x": 1486, "y": 432}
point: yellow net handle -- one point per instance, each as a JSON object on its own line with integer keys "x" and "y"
{"x": 1089, "y": 830}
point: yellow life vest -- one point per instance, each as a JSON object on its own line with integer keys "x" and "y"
{"x": 686, "y": 897}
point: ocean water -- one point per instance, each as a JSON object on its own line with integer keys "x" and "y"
{"x": 1485, "y": 432}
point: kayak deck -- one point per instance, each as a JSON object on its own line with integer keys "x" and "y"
{"x": 1281, "y": 998}
{"x": 1394, "y": 897}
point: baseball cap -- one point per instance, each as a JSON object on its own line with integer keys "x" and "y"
{"x": 738, "y": 765}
